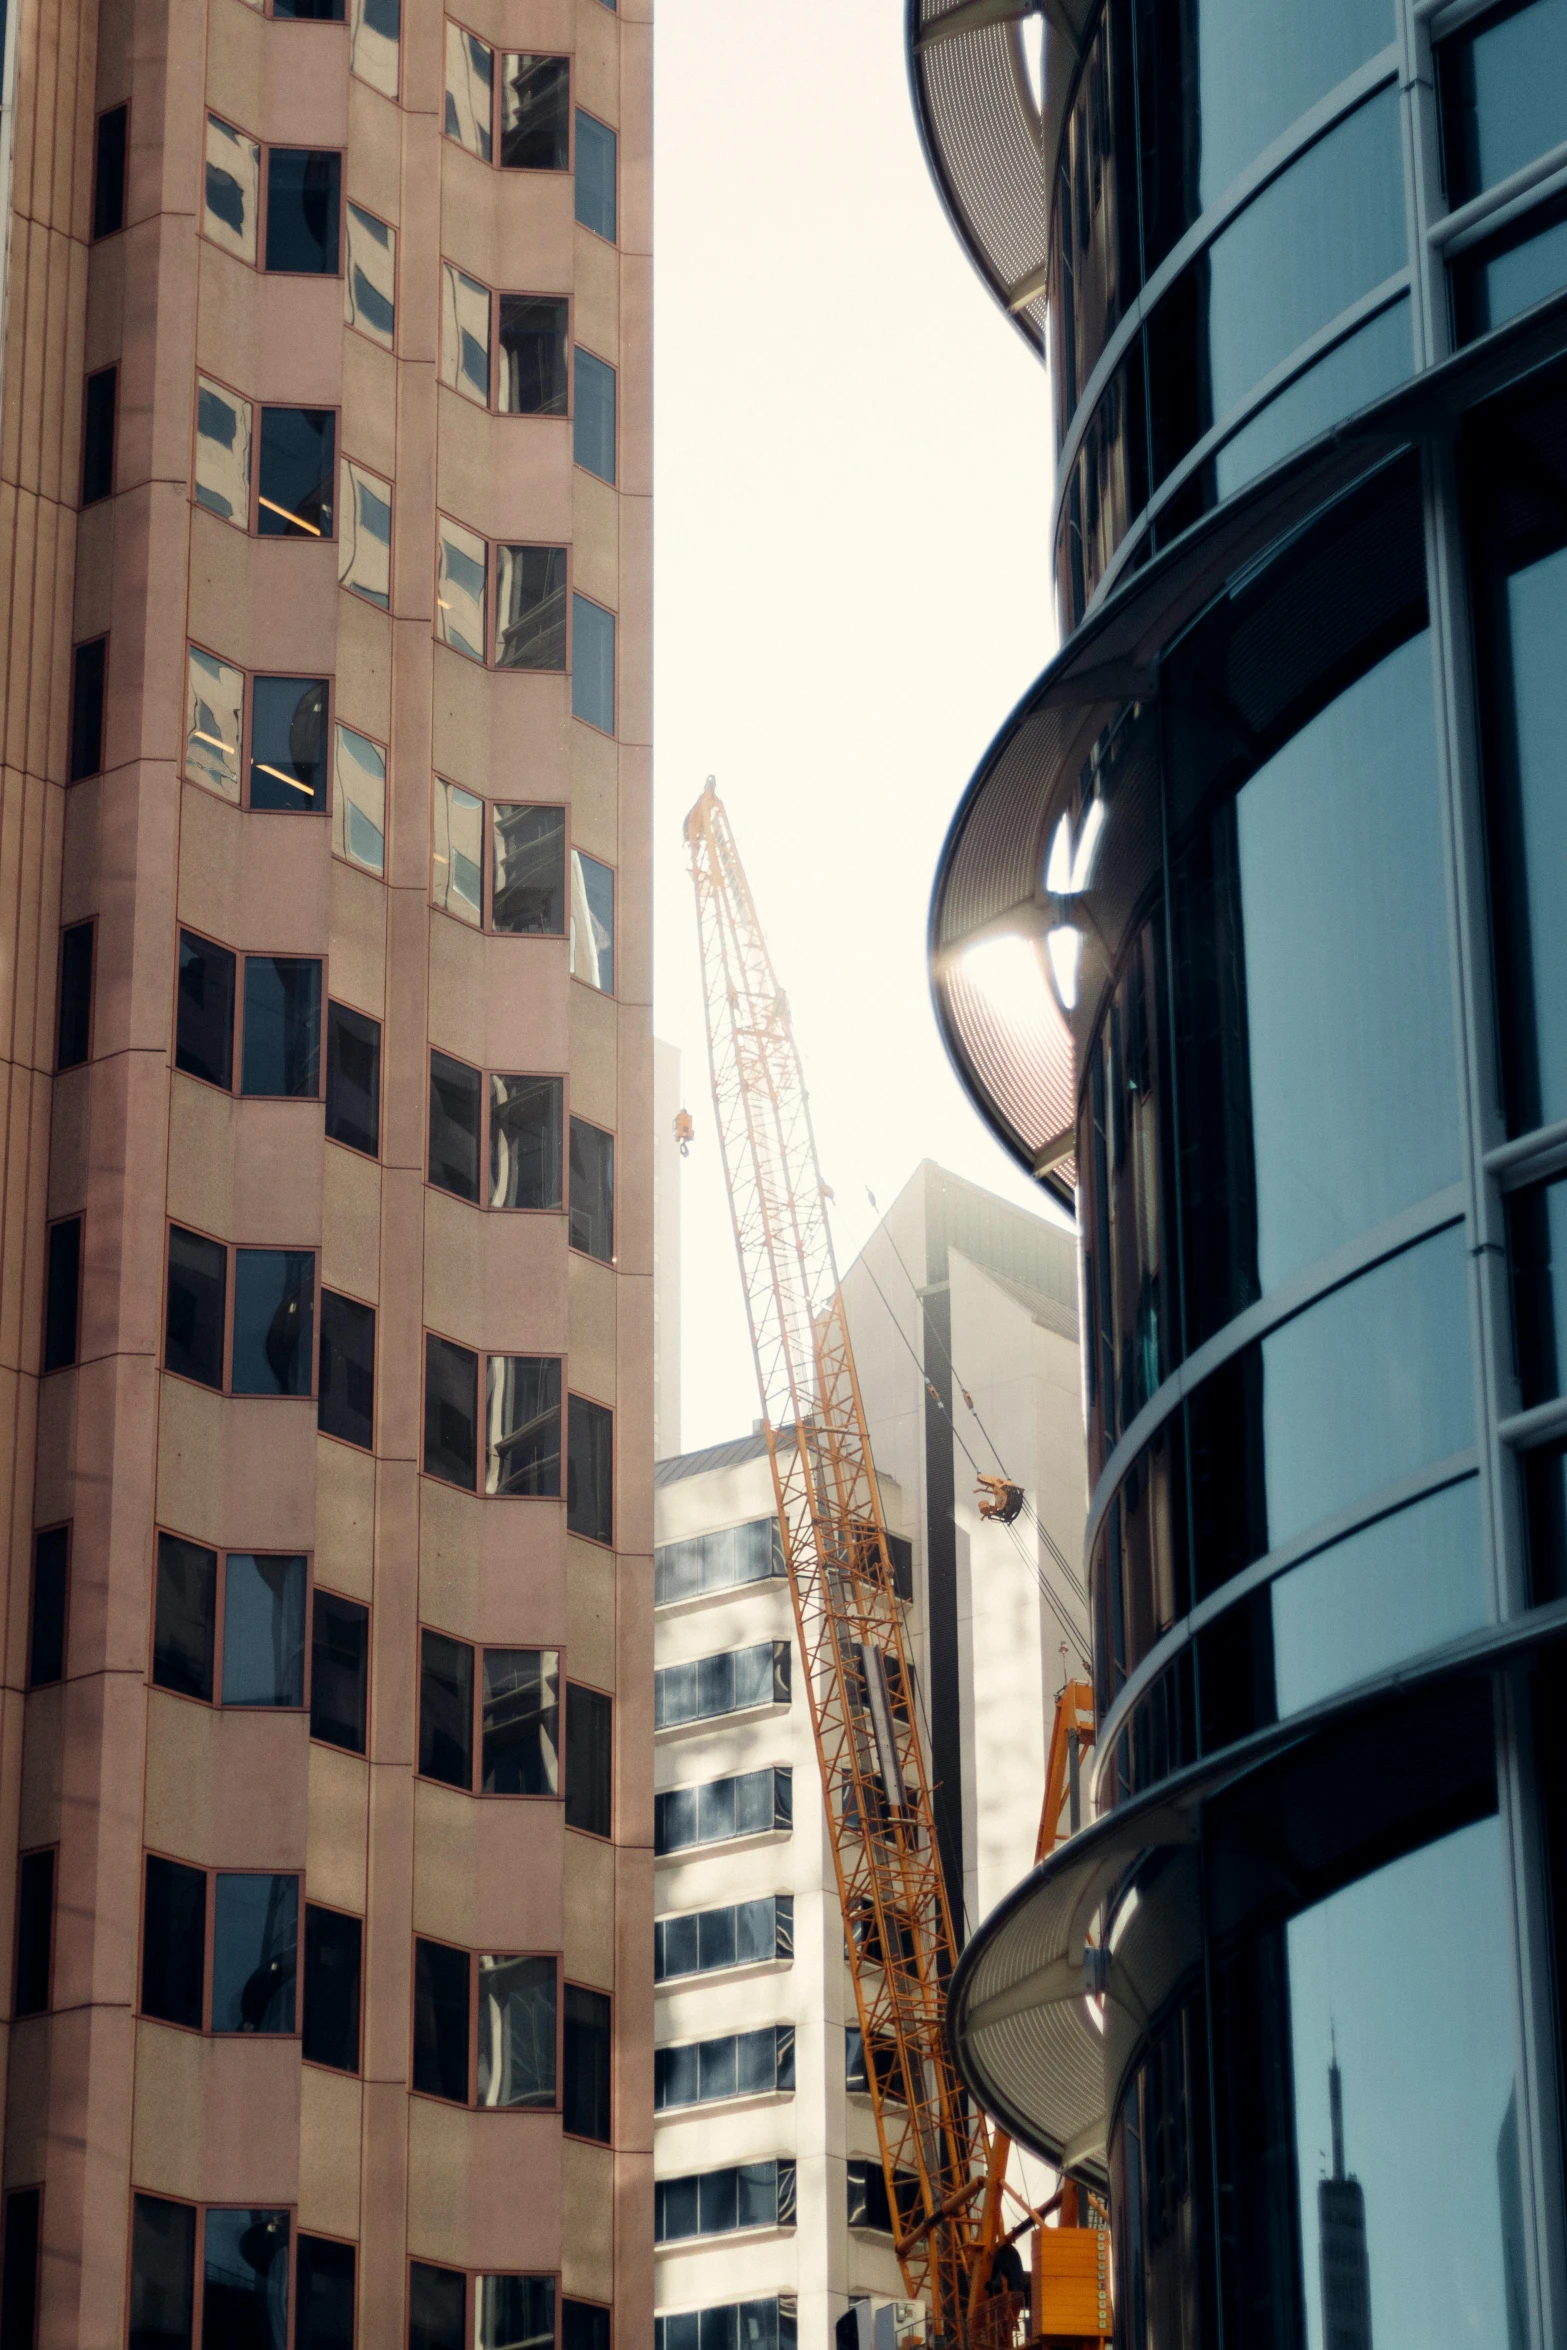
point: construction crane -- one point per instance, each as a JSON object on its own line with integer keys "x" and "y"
{"x": 944, "y": 2169}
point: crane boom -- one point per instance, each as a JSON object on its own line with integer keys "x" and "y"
{"x": 897, "y": 1922}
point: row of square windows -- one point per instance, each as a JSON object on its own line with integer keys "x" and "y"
{"x": 213, "y": 2277}
{"x": 229, "y": 1630}
{"x": 282, "y": 207}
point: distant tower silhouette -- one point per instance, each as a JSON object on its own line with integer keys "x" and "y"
{"x": 1341, "y": 2233}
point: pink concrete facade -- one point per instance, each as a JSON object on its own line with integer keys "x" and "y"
{"x": 102, "y": 2102}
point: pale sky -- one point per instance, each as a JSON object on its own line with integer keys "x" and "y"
{"x": 852, "y": 588}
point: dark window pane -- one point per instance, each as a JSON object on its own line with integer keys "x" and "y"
{"x": 535, "y": 113}
{"x": 339, "y": 1671}
{"x": 332, "y": 1968}
{"x": 204, "y": 1012}
{"x": 1504, "y": 95}
{"x": 297, "y": 465}
{"x": 530, "y": 870}
{"x": 441, "y": 2020}
{"x": 274, "y": 1321}
{"x": 282, "y": 1053}
{"x": 263, "y": 1630}
{"x": 244, "y": 2293}
{"x": 46, "y": 1637}
{"x": 353, "y": 1079}
{"x": 514, "y": 2313}
{"x": 521, "y": 1722}
{"x": 445, "y": 1709}
{"x": 593, "y": 664}
{"x": 517, "y": 2031}
{"x": 255, "y": 1953}
{"x": 533, "y": 354}
{"x": 174, "y": 1942}
{"x": 451, "y": 1412}
{"x": 87, "y": 682}
{"x": 592, "y": 1191}
{"x": 347, "y": 1406}
{"x": 288, "y": 744}
{"x": 525, "y": 1142}
{"x": 163, "y": 2274}
{"x": 1523, "y": 264}
{"x": 530, "y": 607}
{"x": 19, "y": 2286}
{"x": 98, "y": 436}
{"x": 590, "y": 1438}
{"x": 756, "y": 1932}
{"x": 595, "y": 175}
{"x": 585, "y": 2102}
{"x": 454, "y": 1126}
{"x": 74, "y": 1031}
{"x": 183, "y": 1637}
{"x": 437, "y": 2307}
{"x": 311, "y": 11}
{"x": 108, "y": 190}
{"x": 522, "y": 1453}
{"x": 303, "y": 206}
{"x": 324, "y": 2296}
{"x": 1545, "y": 1501}
{"x": 34, "y": 1932}
{"x": 590, "y": 1759}
{"x": 62, "y": 1293}
{"x": 193, "y": 1330}
{"x": 593, "y": 420}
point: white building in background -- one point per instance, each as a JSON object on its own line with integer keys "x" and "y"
{"x": 771, "y": 2214}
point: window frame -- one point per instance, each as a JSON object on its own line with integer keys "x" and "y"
{"x": 204, "y": 2030}
{"x": 472, "y": 2277}
{"x": 373, "y": 1308}
{"x": 495, "y": 296}
{"x": 610, "y": 994}
{"x": 247, "y": 733}
{"x": 485, "y": 926}
{"x": 99, "y": 236}
{"x": 335, "y": 1909}
{"x": 251, "y": 526}
{"x": 88, "y": 923}
{"x": 611, "y": 1133}
{"x": 243, "y": 955}
{"x": 265, "y": 150}
{"x": 734, "y": 1966}
{"x": 477, "y": 1650}
{"x": 199, "y": 2251}
{"x": 53, "y": 1526}
{"x": 568, "y": 1396}
{"x": 491, "y": 576}
{"x": 363, "y": 1753}
{"x": 471, "y": 2103}
{"x": 26, "y": 1853}
{"x": 498, "y": 53}
{"x": 378, "y": 1023}
{"x": 103, "y": 497}
{"x": 614, "y": 370}
{"x": 483, "y": 1203}
{"x": 72, "y": 1362}
{"x": 599, "y": 1836}
{"x": 80, "y": 646}
{"x": 231, "y": 1249}
{"x": 391, "y": 228}
{"x": 577, "y": 221}
{"x": 215, "y": 1704}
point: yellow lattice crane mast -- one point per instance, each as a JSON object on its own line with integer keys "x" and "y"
{"x": 897, "y": 1925}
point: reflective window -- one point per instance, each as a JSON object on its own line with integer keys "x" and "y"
{"x": 445, "y": 1709}
{"x": 288, "y": 743}
{"x": 526, "y": 1142}
{"x": 719, "y": 2202}
{"x": 470, "y": 91}
{"x": 282, "y": 1052}
{"x": 520, "y": 1722}
{"x": 532, "y": 337}
{"x": 296, "y": 471}
{"x": 590, "y": 1759}
{"x": 1523, "y": 264}
{"x": 353, "y": 1079}
{"x": 716, "y": 1562}
{"x": 593, "y": 664}
{"x": 441, "y": 2031}
{"x": 364, "y": 544}
{"x": 1363, "y": 368}
{"x": 455, "y": 1108}
{"x": 465, "y": 334}
{"x": 590, "y": 1469}
{"x": 339, "y": 1670}
{"x": 232, "y": 189}
{"x": 437, "y": 2305}
{"x": 595, "y": 188}
{"x": 758, "y": 2325}
{"x": 185, "y": 1617}
{"x": 451, "y": 1412}
{"x": 530, "y": 869}
{"x": 214, "y": 722}
{"x": 535, "y": 113}
{"x": 868, "y": 2205}
{"x": 1503, "y": 88}
{"x": 333, "y": 1966}
{"x": 457, "y": 854}
{"x": 461, "y": 603}
{"x": 303, "y": 206}
{"x": 163, "y": 2268}
{"x": 223, "y": 453}
{"x": 274, "y": 1321}
{"x": 592, "y": 1216}
{"x": 530, "y": 607}
{"x": 1537, "y": 1255}
{"x": 194, "y": 1313}
{"x": 723, "y": 1684}
{"x": 704, "y": 1941}
{"x": 347, "y": 1376}
{"x": 174, "y": 1942}
{"x": 376, "y": 29}
{"x": 204, "y": 1011}
{"x": 370, "y": 279}
{"x": 750, "y": 1804}
{"x": 514, "y": 2313}
{"x": 244, "y": 2292}
{"x": 1545, "y": 1499}
{"x": 1107, "y": 487}
{"x": 263, "y": 1630}
{"x": 1096, "y": 241}
{"x": 522, "y": 1425}
{"x": 324, "y": 2294}
{"x": 741, "y": 2064}
{"x": 359, "y": 800}
{"x": 592, "y": 921}
{"x": 517, "y": 2031}
{"x": 255, "y": 1940}
{"x": 585, "y": 2077}
{"x": 593, "y": 422}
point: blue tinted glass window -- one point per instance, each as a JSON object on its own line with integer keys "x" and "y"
{"x": 1504, "y": 95}
{"x": 263, "y": 1630}
{"x": 274, "y": 1321}
{"x": 1364, "y": 367}
{"x": 282, "y": 1049}
{"x": 303, "y": 208}
{"x": 244, "y": 2294}
{"x": 596, "y": 206}
{"x": 1537, "y": 627}
{"x": 593, "y": 664}
{"x": 288, "y": 744}
{"x": 593, "y": 423}
{"x": 255, "y": 1939}
{"x": 1510, "y": 274}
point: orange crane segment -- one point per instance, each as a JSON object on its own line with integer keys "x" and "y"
{"x": 897, "y": 1924}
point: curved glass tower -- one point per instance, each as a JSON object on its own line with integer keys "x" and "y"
{"x": 1249, "y": 939}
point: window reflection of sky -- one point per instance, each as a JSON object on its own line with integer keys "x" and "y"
{"x": 1408, "y": 1968}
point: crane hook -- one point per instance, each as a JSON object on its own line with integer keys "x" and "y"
{"x": 685, "y": 1132}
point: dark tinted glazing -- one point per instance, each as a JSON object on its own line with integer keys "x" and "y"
{"x": 526, "y": 1143}
{"x": 108, "y": 190}
{"x": 98, "y": 436}
{"x": 89, "y": 671}
{"x": 1523, "y": 264}
{"x": 263, "y": 1629}
{"x": 590, "y": 1469}
{"x": 46, "y": 1629}
{"x": 451, "y": 1412}
{"x": 437, "y": 2305}
{"x": 303, "y": 210}
{"x": 533, "y": 354}
{"x": 536, "y": 113}
{"x": 520, "y": 1722}
{"x": 1096, "y": 240}
{"x": 288, "y": 744}
{"x": 593, "y": 421}
{"x": 595, "y": 184}
{"x": 163, "y": 2270}
{"x": 1503, "y": 86}
{"x": 441, "y": 2020}
{"x": 590, "y": 1759}
{"x": 73, "y": 1033}
{"x": 185, "y": 1622}
{"x": 445, "y": 1709}
{"x": 353, "y": 1079}
{"x": 204, "y": 1012}
{"x": 530, "y": 870}
{"x": 282, "y": 1052}
{"x": 34, "y": 1933}
{"x": 347, "y": 1381}
{"x": 274, "y": 1321}
{"x": 323, "y": 2293}
{"x": 174, "y": 1942}
{"x": 585, "y": 2108}
{"x": 331, "y": 1988}
{"x": 592, "y": 1216}
{"x": 19, "y": 2280}
{"x": 339, "y": 1670}
{"x": 455, "y": 1107}
{"x": 193, "y": 1323}
{"x": 244, "y": 2293}
{"x": 62, "y": 1293}
{"x": 522, "y": 1449}
{"x": 255, "y": 1938}
{"x": 296, "y": 473}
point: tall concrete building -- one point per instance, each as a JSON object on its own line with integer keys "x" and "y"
{"x": 327, "y": 1238}
{"x": 1247, "y": 938}
{"x": 771, "y": 2212}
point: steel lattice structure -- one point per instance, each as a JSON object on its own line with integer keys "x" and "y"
{"x": 897, "y": 1924}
